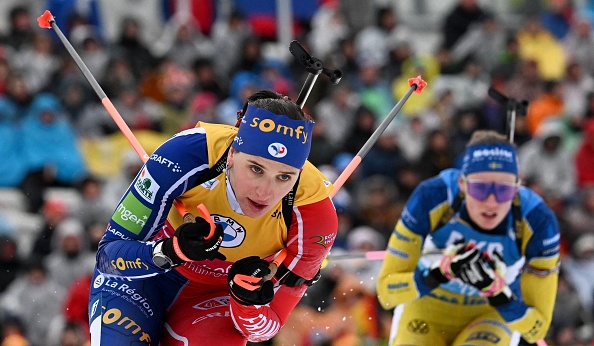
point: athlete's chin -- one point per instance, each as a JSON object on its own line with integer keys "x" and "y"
{"x": 254, "y": 215}
{"x": 488, "y": 224}
{"x": 255, "y": 211}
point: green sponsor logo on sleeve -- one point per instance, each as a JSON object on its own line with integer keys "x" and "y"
{"x": 131, "y": 214}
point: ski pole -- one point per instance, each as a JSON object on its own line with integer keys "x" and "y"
{"x": 46, "y": 20}
{"x": 416, "y": 85}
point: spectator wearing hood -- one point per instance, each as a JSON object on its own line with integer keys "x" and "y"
{"x": 50, "y": 149}
{"x": 50, "y": 140}
{"x": 70, "y": 258}
{"x": 13, "y": 168}
{"x": 545, "y": 160}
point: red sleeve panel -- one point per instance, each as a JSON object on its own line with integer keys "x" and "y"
{"x": 310, "y": 237}
{"x": 261, "y": 322}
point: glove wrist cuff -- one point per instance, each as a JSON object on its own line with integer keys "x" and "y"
{"x": 504, "y": 297}
{"x": 435, "y": 278}
{"x": 169, "y": 251}
{"x": 178, "y": 251}
{"x": 238, "y": 300}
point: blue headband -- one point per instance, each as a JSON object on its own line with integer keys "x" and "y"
{"x": 275, "y": 137}
{"x": 490, "y": 157}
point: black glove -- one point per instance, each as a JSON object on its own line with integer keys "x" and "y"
{"x": 247, "y": 283}
{"x": 488, "y": 275}
{"x": 455, "y": 257}
{"x": 190, "y": 237}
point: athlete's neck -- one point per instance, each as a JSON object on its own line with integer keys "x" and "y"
{"x": 233, "y": 203}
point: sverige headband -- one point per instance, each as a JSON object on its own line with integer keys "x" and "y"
{"x": 275, "y": 137}
{"x": 490, "y": 157}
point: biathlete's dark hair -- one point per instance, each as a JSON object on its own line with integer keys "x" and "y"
{"x": 486, "y": 136}
{"x": 275, "y": 103}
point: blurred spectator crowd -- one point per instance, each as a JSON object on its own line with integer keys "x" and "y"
{"x": 65, "y": 162}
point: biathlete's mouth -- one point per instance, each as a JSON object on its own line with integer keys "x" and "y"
{"x": 489, "y": 215}
{"x": 257, "y": 205}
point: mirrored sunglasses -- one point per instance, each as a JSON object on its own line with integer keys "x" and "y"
{"x": 480, "y": 190}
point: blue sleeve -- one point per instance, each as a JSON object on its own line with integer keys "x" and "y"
{"x": 543, "y": 244}
{"x": 544, "y": 241}
{"x": 419, "y": 279}
{"x": 416, "y": 215}
{"x": 126, "y": 247}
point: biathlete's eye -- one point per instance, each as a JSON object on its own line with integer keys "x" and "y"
{"x": 256, "y": 169}
{"x": 284, "y": 177}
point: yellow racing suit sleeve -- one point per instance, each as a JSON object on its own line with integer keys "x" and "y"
{"x": 532, "y": 311}
{"x": 401, "y": 279}
{"x": 538, "y": 284}
{"x": 399, "y": 276}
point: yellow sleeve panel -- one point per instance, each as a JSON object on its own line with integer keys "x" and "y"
{"x": 538, "y": 283}
{"x": 436, "y": 214}
{"x": 396, "y": 284}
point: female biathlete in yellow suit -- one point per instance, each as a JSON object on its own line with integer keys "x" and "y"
{"x": 159, "y": 281}
{"x": 473, "y": 258}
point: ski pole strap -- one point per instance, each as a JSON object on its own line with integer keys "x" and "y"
{"x": 288, "y": 278}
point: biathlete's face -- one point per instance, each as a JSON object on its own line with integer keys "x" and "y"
{"x": 489, "y": 196}
{"x": 259, "y": 183}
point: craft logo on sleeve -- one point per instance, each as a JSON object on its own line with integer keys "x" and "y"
{"x": 131, "y": 214}
{"x": 146, "y": 186}
{"x": 166, "y": 162}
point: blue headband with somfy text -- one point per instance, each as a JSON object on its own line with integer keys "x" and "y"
{"x": 490, "y": 157}
{"x": 275, "y": 137}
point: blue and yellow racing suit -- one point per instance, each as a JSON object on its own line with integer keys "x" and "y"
{"x": 455, "y": 312}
